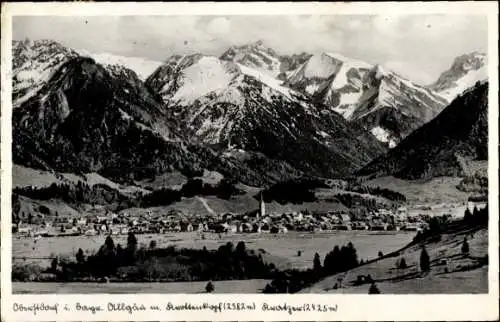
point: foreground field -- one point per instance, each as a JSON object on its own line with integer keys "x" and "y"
{"x": 280, "y": 249}
{"x": 461, "y": 274}
{"x": 234, "y": 286}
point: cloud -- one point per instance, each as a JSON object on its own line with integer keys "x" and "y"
{"x": 220, "y": 25}
{"x": 387, "y": 25}
{"x": 410, "y": 71}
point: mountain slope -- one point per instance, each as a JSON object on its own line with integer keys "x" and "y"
{"x": 86, "y": 119}
{"x": 383, "y": 102}
{"x": 82, "y": 116}
{"x": 442, "y": 146}
{"x": 233, "y": 107}
{"x": 465, "y": 71}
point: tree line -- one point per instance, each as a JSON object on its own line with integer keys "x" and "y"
{"x": 134, "y": 263}
{"x": 440, "y": 224}
{"x": 104, "y": 195}
{"x": 339, "y": 259}
{"x": 296, "y": 191}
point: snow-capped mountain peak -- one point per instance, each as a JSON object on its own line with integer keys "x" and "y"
{"x": 464, "y": 72}
{"x": 34, "y": 62}
{"x": 385, "y": 103}
{"x": 143, "y": 67}
{"x": 255, "y": 55}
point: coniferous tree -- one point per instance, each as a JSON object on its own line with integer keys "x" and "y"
{"x": 241, "y": 248}
{"x": 54, "y": 264}
{"x": 209, "y": 288}
{"x": 373, "y": 289}
{"x": 425, "y": 263}
{"x": 110, "y": 244}
{"x": 80, "y": 257}
{"x": 467, "y": 214}
{"x": 465, "y": 247}
{"x": 402, "y": 263}
{"x": 317, "y": 263}
{"x": 131, "y": 242}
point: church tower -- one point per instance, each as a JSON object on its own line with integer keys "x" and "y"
{"x": 262, "y": 209}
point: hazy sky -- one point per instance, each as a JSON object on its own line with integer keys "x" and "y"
{"x": 419, "y": 47}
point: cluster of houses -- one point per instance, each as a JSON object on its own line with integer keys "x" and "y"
{"x": 257, "y": 221}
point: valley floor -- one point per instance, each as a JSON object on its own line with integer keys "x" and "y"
{"x": 280, "y": 249}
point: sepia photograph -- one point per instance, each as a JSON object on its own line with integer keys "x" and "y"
{"x": 250, "y": 154}
{"x": 249, "y": 162}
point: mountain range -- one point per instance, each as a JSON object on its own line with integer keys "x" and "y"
{"x": 251, "y": 114}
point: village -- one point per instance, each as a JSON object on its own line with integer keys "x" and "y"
{"x": 257, "y": 221}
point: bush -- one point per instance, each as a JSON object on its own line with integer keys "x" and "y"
{"x": 368, "y": 279}
{"x": 380, "y": 254}
{"x": 401, "y": 264}
{"x": 24, "y": 273}
{"x": 340, "y": 259}
{"x": 209, "y": 288}
{"x": 373, "y": 289}
{"x": 465, "y": 247}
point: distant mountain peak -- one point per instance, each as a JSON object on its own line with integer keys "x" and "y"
{"x": 141, "y": 66}
{"x": 388, "y": 105}
{"x": 465, "y": 71}
{"x": 473, "y": 60}
{"x": 255, "y": 55}
{"x": 445, "y": 145}
{"x": 33, "y": 63}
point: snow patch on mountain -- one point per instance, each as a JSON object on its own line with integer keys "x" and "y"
{"x": 272, "y": 82}
{"x": 320, "y": 66}
{"x": 209, "y": 74}
{"x": 383, "y": 136}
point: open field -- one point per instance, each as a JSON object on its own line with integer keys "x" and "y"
{"x": 434, "y": 191}
{"x": 24, "y": 177}
{"x": 280, "y": 249}
{"x": 465, "y": 273}
{"x": 234, "y": 286}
